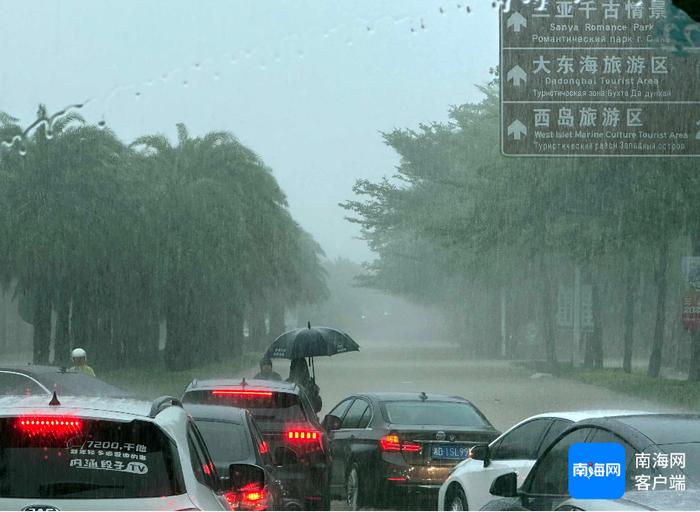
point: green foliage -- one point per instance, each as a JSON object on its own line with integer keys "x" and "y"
{"x": 459, "y": 221}
{"x": 118, "y": 238}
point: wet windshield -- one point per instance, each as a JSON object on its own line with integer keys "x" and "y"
{"x": 95, "y": 460}
{"x": 272, "y": 410}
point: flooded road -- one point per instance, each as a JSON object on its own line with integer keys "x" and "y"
{"x": 504, "y": 393}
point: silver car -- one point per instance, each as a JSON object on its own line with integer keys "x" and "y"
{"x": 72, "y": 453}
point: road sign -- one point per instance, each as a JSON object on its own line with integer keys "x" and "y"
{"x": 565, "y": 307}
{"x": 690, "y": 266}
{"x": 597, "y": 77}
{"x": 690, "y": 315}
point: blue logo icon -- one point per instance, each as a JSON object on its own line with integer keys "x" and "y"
{"x": 596, "y": 471}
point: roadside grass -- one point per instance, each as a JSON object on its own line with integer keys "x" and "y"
{"x": 154, "y": 381}
{"x": 668, "y": 391}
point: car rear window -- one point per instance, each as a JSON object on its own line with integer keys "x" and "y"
{"x": 271, "y": 410}
{"x": 414, "y": 412}
{"x": 86, "y": 459}
{"x": 227, "y": 442}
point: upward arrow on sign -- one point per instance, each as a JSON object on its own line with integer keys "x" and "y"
{"x": 517, "y": 129}
{"x": 517, "y": 21}
{"x": 517, "y": 75}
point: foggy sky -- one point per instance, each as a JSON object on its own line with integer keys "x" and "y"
{"x": 307, "y": 85}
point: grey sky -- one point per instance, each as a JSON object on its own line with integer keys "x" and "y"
{"x": 307, "y": 85}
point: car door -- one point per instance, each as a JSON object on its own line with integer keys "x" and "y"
{"x": 515, "y": 451}
{"x": 547, "y": 485}
{"x": 344, "y": 437}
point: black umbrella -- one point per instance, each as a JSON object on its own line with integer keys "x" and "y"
{"x": 311, "y": 342}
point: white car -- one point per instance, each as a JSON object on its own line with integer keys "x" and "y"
{"x": 639, "y": 500}
{"x": 75, "y": 453}
{"x": 517, "y": 449}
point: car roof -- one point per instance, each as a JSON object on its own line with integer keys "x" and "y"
{"x": 125, "y": 409}
{"x": 659, "y": 428}
{"x": 585, "y": 414}
{"x": 36, "y": 369}
{"x": 216, "y": 412}
{"x": 280, "y": 386}
{"x": 391, "y": 396}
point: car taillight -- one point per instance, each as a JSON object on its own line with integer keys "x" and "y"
{"x": 250, "y": 497}
{"x": 392, "y": 443}
{"x": 264, "y": 447}
{"x": 302, "y": 436}
{"x": 242, "y": 392}
{"x": 49, "y": 425}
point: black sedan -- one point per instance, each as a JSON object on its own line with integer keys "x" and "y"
{"x": 232, "y": 437}
{"x": 32, "y": 379}
{"x": 386, "y": 445}
{"x": 546, "y": 486}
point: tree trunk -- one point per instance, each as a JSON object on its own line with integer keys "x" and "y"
{"x": 628, "y": 335}
{"x": 42, "y": 325}
{"x": 236, "y": 338}
{"x": 256, "y": 322}
{"x": 661, "y": 285}
{"x": 277, "y": 324}
{"x": 694, "y": 363}
{"x": 4, "y": 300}
{"x": 596, "y": 338}
{"x": 548, "y": 317}
{"x": 61, "y": 352}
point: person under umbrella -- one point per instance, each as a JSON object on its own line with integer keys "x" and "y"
{"x": 299, "y": 374}
{"x": 266, "y": 372}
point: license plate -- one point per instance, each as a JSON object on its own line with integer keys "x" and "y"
{"x": 449, "y": 451}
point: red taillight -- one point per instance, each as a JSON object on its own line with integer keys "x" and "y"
{"x": 392, "y": 443}
{"x": 49, "y": 425}
{"x": 264, "y": 447}
{"x": 303, "y": 435}
{"x": 250, "y": 497}
{"x": 242, "y": 392}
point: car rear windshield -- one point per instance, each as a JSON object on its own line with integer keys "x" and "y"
{"x": 414, "y": 412}
{"x": 227, "y": 442}
{"x": 86, "y": 459}
{"x": 272, "y": 410}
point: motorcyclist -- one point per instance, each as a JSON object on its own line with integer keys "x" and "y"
{"x": 79, "y": 357}
{"x": 266, "y": 372}
{"x": 299, "y": 374}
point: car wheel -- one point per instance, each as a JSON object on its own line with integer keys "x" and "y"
{"x": 458, "y": 500}
{"x": 353, "y": 492}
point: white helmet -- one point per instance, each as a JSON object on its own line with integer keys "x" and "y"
{"x": 78, "y": 352}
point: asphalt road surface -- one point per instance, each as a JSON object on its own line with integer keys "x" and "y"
{"x": 504, "y": 394}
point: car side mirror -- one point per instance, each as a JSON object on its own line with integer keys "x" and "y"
{"x": 481, "y": 452}
{"x": 245, "y": 476}
{"x": 331, "y": 422}
{"x": 505, "y": 486}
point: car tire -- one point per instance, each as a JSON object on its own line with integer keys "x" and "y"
{"x": 355, "y": 496}
{"x": 458, "y": 500}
